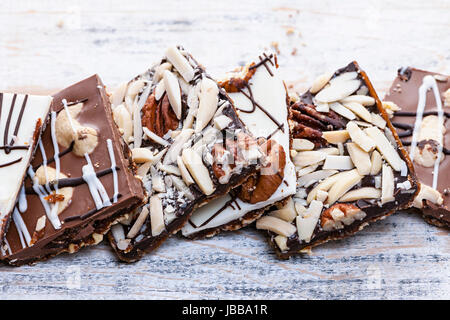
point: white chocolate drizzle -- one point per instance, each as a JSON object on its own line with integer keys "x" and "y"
{"x": 96, "y": 188}
{"x": 429, "y": 82}
{"x": 21, "y": 229}
{"x": 22, "y": 202}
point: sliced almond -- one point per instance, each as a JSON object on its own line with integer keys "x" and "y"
{"x": 321, "y": 195}
{"x": 122, "y": 118}
{"x": 142, "y": 171}
{"x": 308, "y": 222}
{"x": 343, "y": 111}
{"x": 337, "y": 90}
{"x": 376, "y": 161}
{"x": 173, "y": 92}
{"x": 184, "y": 172}
{"x": 302, "y": 145}
{"x": 429, "y": 194}
{"x": 159, "y": 71}
{"x": 311, "y": 178}
{"x": 157, "y": 180}
{"x": 299, "y": 208}
{"x": 159, "y": 90}
{"x": 180, "y": 63}
{"x": 387, "y": 184}
{"x": 348, "y": 181}
{"x": 156, "y": 215}
{"x": 360, "y": 158}
{"x": 182, "y": 187}
{"x": 322, "y": 107}
{"x": 137, "y": 125}
{"x": 221, "y": 122}
{"x": 358, "y": 136}
{"x": 385, "y": 147}
{"x": 338, "y": 163}
{"x": 208, "y": 100}
{"x": 325, "y": 185}
{"x": 361, "y": 99}
{"x": 281, "y": 242}
{"x": 359, "y": 110}
{"x": 138, "y": 223}
{"x": 286, "y": 213}
{"x": 198, "y": 171}
{"x": 118, "y": 94}
{"x": 307, "y": 158}
{"x": 320, "y": 82}
{"x": 118, "y": 234}
{"x": 362, "y": 193}
{"x": 135, "y": 87}
{"x": 305, "y": 170}
{"x": 346, "y": 76}
{"x": 141, "y": 155}
{"x": 378, "y": 121}
{"x": 275, "y": 225}
{"x": 177, "y": 145}
{"x": 40, "y": 224}
{"x": 154, "y": 137}
{"x": 169, "y": 169}
{"x": 338, "y": 136}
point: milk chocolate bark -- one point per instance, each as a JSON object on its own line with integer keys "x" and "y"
{"x": 352, "y": 169}
{"x": 79, "y": 183}
{"x": 260, "y": 97}
{"x": 189, "y": 144}
{"x": 420, "y": 103}
{"x": 22, "y": 119}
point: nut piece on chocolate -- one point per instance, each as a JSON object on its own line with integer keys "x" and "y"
{"x": 421, "y": 112}
{"x": 80, "y": 182}
{"x": 22, "y": 119}
{"x": 351, "y": 167}
{"x": 260, "y": 97}
{"x": 189, "y": 145}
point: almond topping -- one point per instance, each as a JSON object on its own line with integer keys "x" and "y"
{"x": 429, "y": 194}
{"x": 359, "y": 110}
{"x": 286, "y": 213}
{"x": 302, "y": 145}
{"x": 358, "y": 136}
{"x": 281, "y": 242}
{"x": 173, "y": 92}
{"x": 320, "y": 82}
{"x": 337, "y": 90}
{"x": 348, "y": 181}
{"x": 310, "y": 178}
{"x": 376, "y": 161}
{"x": 307, "y": 223}
{"x": 387, "y": 184}
{"x": 362, "y": 193}
{"x": 184, "y": 172}
{"x": 122, "y": 118}
{"x": 338, "y": 163}
{"x": 275, "y": 225}
{"x": 198, "y": 171}
{"x": 361, "y": 99}
{"x": 208, "y": 100}
{"x": 139, "y": 223}
{"x": 180, "y": 63}
{"x": 141, "y": 155}
{"x": 360, "y": 158}
{"x": 338, "y": 136}
{"x": 156, "y": 216}
{"x": 343, "y": 111}
{"x": 385, "y": 147}
{"x": 222, "y": 121}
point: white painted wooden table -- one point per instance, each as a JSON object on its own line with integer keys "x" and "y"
{"x": 47, "y": 45}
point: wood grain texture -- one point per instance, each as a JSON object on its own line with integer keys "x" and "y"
{"x": 47, "y": 45}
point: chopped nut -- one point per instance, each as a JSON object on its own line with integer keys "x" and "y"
{"x": 362, "y": 193}
{"x": 360, "y": 158}
{"x": 97, "y": 238}
{"x": 338, "y": 163}
{"x": 138, "y": 223}
{"x": 222, "y": 121}
{"x": 281, "y": 242}
{"x": 378, "y": 121}
{"x": 143, "y": 169}
{"x": 343, "y": 111}
{"x": 118, "y": 94}
{"x": 180, "y": 63}
{"x": 184, "y": 172}
{"x": 307, "y": 223}
{"x": 376, "y": 161}
{"x": 337, "y": 90}
{"x": 361, "y": 99}
{"x": 286, "y": 213}
{"x": 275, "y": 225}
{"x": 390, "y": 107}
{"x": 157, "y": 180}
{"x": 122, "y": 118}
{"x": 177, "y": 145}
{"x": 339, "y": 214}
{"x": 359, "y": 110}
{"x": 447, "y": 98}
{"x": 310, "y": 178}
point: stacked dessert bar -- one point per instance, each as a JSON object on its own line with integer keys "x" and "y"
{"x": 175, "y": 151}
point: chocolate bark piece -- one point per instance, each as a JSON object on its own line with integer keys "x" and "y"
{"x": 260, "y": 97}
{"x": 79, "y": 183}
{"x": 189, "y": 144}
{"x": 352, "y": 168}
{"x": 22, "y": 119}
{"x": 424, "y": 127}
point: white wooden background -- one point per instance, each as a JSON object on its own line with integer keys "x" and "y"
{"x": 47, "y": 45}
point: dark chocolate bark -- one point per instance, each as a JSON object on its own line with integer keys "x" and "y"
{"x": 79, "y": 183}
{"x": 260, "y": 97}
{"x": 189, "y": 145}
{"x": 433, "y": 201}
{"x": 352, "y": 168}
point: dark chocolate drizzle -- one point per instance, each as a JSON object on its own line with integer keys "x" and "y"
{"x": 229, "y": 203}
{"x": 60, "y": 155}
{"x": 87, "y": 214}
{"x": 10, "y": 163}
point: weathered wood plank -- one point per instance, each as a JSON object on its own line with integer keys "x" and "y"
{"x": 46, "y": 45}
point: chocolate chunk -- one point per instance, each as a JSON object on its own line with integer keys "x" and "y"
{"x": 357, "y": 174}
{"x": 424, "y": 127}
{"x": 22, "y": 119}
{"x": 80, "y": 182}
{"x": 260, "y": 97}
{"x": 190, "y": 145}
